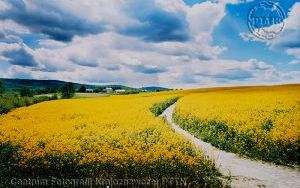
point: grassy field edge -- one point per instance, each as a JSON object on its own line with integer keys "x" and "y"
{"x": 243, "y": 143}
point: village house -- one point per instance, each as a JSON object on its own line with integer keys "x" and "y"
{"x": 120, "y": 90}
{"x": 108, "y": 90}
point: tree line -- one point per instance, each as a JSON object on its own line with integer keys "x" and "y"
{"x": 67, "y": 90}
{"x": 25, "y": 97}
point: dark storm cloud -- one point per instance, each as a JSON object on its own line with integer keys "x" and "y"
{"x": 147, "y": 69}
{"x": 157, "y": 25}
{"x": 20, "y": 57}
{"x": 49, "y": 20}
{"x": 84, "y": 62}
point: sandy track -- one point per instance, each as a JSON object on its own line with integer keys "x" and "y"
{"x": 244, "y": 172}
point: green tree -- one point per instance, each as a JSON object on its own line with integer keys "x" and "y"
{"x": 54, "y": 97}
{"x": 68, "y": 90}
{"x": 98, "y": 90}
{"x": 26, "y": 92}
{"x": 1, "y": 87}
{"x": 82, "y": 89}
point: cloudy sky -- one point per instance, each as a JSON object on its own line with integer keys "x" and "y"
{"x": 170, "y": 43}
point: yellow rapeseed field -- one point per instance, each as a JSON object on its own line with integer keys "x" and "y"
{"x": 261, "y": 122}
{"x": 114, "y": 136}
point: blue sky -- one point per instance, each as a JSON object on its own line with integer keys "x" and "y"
{"x": 170, "y": 43}
{"x": 234, "y": 23}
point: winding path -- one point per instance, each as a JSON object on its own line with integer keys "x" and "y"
{"x": 244, "y": 172}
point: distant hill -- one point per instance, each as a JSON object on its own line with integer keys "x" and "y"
{"x": 155, "y": 88}
{"x": 17, "y": 84}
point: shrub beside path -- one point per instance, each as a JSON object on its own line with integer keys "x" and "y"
{"x": 243, "y": 172}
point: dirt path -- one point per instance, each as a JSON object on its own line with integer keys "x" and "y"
{"x": 244, "y": 172}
